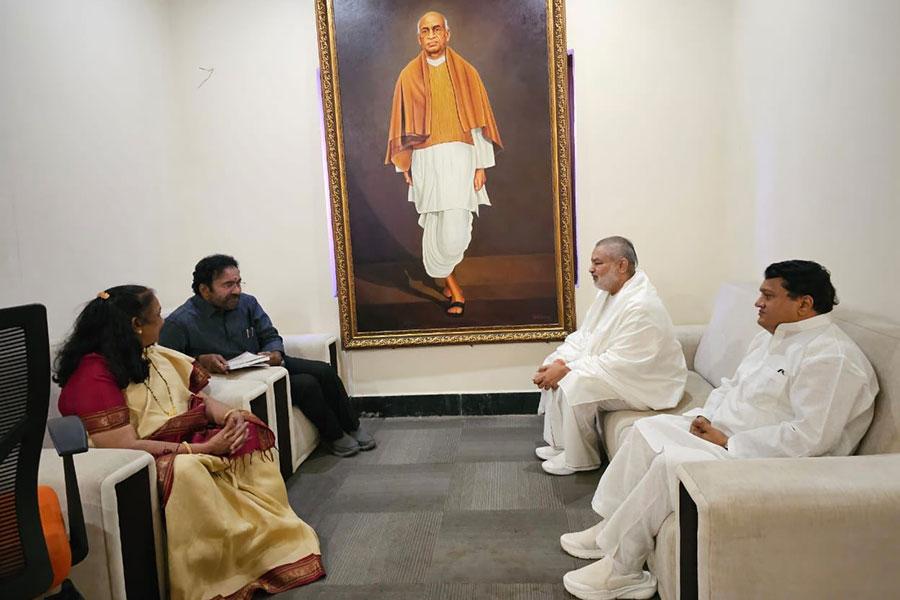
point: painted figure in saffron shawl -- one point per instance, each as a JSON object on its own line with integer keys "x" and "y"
{"x": 441, "y": 138}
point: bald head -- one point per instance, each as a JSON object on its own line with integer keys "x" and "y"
{"x": 618, "y": 247}
{"x": 434, "y": 15}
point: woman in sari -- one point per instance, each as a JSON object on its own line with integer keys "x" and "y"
{"x": 230, "y": 530}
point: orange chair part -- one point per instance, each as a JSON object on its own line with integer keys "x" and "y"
{"x": 55, "y": 534}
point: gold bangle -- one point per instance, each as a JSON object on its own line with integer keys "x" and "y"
{"x": 228, "y": 414}
{"x": 188, "y": 446}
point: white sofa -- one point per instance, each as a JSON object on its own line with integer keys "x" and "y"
{"x": 781, "y": 528}
{"x": 299, "y": 438}
{"x": 312, "y": 346}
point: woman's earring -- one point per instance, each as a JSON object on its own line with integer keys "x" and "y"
{"x": 140, "y": 331}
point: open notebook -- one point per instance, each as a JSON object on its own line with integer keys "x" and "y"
{"x": 247, "y": 359}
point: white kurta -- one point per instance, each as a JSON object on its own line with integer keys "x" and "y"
{"x": 443, "y": 192}
{"x": 812, "y": 390}
{"x": 627, "y": 341}
{"x": 807, "y": 390}
{"x": 623, "y": 356}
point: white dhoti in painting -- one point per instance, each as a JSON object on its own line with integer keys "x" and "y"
{"x": 443, "y": 191}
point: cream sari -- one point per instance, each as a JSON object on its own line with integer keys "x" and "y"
{"x": 229, "y": 526}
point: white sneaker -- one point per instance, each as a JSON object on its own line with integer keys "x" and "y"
{"x": 599, "y": 581}
{"x": 557, "y": 466}
{"x": 583, "y": 544}
{"x": 546, "y": 452}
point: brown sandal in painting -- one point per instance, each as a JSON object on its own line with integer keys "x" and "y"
{"x": 461, "y": 305}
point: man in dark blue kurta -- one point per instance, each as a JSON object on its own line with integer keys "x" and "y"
{"x": 220, "y": 322}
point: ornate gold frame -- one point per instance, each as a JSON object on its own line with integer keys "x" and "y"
{"x": 559, "y": 113}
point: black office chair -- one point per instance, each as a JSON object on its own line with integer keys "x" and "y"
{"x": 25, "y": 564}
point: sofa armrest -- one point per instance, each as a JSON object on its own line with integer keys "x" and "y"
{"x": 236, "y": 392}
{"x": 312, "y": 346}
{"x": 789, "y": 528}
{"x": 689, "y": 338}
{"x": 272, "y": 404}
{"x": 121, "y": 514}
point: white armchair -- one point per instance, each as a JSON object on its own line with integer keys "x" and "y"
{"x": 126, "y": 536}
{"x": 295, "y": 435}
{"x": 312, "y": 346}
{"x": 121, "y": 514}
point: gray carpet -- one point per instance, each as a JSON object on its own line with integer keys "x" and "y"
{"x": 445, "y": 508}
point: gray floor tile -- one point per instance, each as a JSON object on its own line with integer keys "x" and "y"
{"x": 500, "y": 547}
{"x": 411, "y": 446}
{"x": 522, "y": 591}
{"x": 577, "y": 490}
{"x": 534, "y": 422}
{"x": 393, "y": 488}
{"x": 378, "y": 548}
{"x": 322, "y": 461}
{"x": 311, "y": 494}
{"x": 581, "y": 518}
{"x": 320, "y": 590}
{"x": 443, "y": 591}
{"x": 445, "y": 508}
{"x": 501, "y": 486}
{"x": 400, "y": 423}
{"x": 498, "y": 443}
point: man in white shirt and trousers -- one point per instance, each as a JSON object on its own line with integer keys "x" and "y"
{"x": 623, "y": 357}
{"x": 803, "y": 389}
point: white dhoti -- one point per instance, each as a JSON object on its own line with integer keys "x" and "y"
{"x": 637, "y": 491}
{"x": 443, "y": 191}
{"x": 576, "y": 428}
{"x": 445, "y": 238}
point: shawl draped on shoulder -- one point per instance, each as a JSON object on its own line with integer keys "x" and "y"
{"x": 411, "y": 107}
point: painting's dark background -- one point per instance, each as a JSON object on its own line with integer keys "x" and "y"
{"x": 506, "y": 41}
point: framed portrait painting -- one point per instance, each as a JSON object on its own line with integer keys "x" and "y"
{"x": 446, "y": 125}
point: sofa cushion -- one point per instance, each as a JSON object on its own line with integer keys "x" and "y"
{"x": 729, "y": 333}
{"x": 615, "y": 424}
{"x": 879, "y": 340}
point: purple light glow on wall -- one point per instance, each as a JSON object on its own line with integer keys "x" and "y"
{"x": 327, "y": 186}
{"x": 570, "y": 87}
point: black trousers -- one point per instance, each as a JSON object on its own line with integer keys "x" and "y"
{"x": 317, "y": 390}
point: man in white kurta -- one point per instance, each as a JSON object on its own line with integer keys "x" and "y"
{"x": 803, "y": 389}
{"x": 624, "y": 356}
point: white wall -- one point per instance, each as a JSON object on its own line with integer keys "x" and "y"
{"x": 249, "y": 158}
{"x": 85, "y": 137}
{"x": 816, "y": 141}
{"x": 718, "y": 135}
